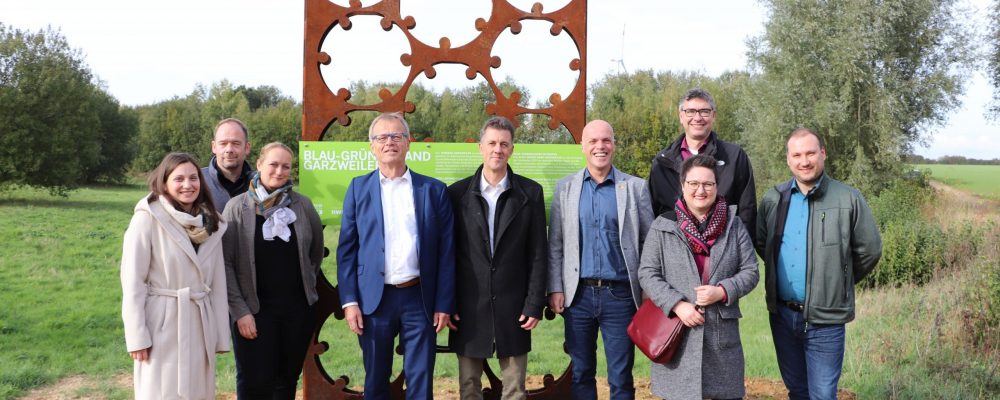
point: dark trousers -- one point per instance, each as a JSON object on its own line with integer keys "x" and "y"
{"x": 400, "y": 312}
{"x": 268, "y": 367}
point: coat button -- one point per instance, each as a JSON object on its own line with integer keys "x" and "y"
{"x": 493, "y": 298}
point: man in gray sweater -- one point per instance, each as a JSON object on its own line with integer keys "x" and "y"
{"x": 228, "y": 173}
{"x": 818, "y": 239}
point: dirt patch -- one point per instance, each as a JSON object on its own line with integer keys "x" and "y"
{"x": 78, "y": 387}
{"x": 81, "y": 387}
{"x": 962, "y": 206}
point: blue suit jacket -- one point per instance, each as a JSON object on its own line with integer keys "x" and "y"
{"x": 361, "y": 250}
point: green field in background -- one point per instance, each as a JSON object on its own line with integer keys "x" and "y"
{"x": 983, "y": 180}
{"x": 61, "y": 314}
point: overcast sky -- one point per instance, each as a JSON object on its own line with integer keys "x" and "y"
{"x": 148, "y": 51}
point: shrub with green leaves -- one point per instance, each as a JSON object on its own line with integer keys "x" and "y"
{"x": 911, "y": 252}
{"x": 912, "y": 247}
{"x": 982, "y": 311}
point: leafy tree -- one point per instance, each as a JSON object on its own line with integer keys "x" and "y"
{"x": 281, "y": 122}
{"x": 993, "y": 65}
{"x": 871, "y": 77}
{"x": 535, "y": 129}
{"x": 187, "y": 123}
{"x": 365, "y": 94}
{"x": 116, "y": 135}
{"x": 172, "y": 125}
{"x": 262, "y": 96}
{"x": 454, "y": 115}
{"x": 55, "y": 118}
{"x": 642, "y": 108}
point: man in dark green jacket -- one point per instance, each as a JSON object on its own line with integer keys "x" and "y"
{"x": 818, "y": 239}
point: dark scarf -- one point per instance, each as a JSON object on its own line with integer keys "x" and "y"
{"x": 277, "y": 199}
{"x": 700, "y": 240}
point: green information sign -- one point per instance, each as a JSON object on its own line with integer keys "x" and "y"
{"x": 326, "y": 168}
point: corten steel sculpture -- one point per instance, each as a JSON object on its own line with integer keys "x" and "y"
{"x": 321, "y": 108}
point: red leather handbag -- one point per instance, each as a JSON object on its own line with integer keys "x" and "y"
{"x": 658, "y": 335}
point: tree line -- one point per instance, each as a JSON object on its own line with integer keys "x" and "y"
{"x": 952, "y": 160}
{"x": 874, "y": 78}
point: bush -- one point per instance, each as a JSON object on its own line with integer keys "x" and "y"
{"x": 982, "y": 313}
{"x": 911, "y": 252}
{"x": 912, "y": 247}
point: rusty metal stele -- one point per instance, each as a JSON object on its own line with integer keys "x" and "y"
{"x": 321, "y": 108}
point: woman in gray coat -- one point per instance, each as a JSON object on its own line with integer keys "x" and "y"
{"x": 698, "y": 268}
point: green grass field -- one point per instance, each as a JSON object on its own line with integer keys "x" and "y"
{"x": 983, "y": 180}
{"x": 62, "y": 297}
{"x": 60, "y": 314}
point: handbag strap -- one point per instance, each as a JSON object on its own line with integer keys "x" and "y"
{"x": 705, "y": 272}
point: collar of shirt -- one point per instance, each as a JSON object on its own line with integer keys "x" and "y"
{"x": 239, "y": 186}
{"x": 686, "y": 151}
{"x": 795, "y": 185}
{"x": 500, "y": 187}
{"x": 609, "y": 178}
{"x": 406, "y": 177}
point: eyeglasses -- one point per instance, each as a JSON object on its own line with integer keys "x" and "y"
{"x": 694, "y": 185}
{"x": 395, "y": 137}
{"x": 704, "y": 112}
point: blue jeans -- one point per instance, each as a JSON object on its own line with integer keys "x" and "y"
{"x": 810, "y": 359}
{"x": 400, "y": 312}
{"x": 610, "y": 309}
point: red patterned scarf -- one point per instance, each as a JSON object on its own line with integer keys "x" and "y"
{"x": 699, "y": 241}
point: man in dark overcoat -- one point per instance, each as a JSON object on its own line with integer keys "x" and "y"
{"x": 501, "y": 263}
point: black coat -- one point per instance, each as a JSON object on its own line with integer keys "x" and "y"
{"x": 492, "y": 292}
{"x": 735, "y": 180}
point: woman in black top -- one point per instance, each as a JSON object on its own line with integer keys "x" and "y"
{"x": 273, "y": 251}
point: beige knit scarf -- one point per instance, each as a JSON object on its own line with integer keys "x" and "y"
{"x": 194, "y": 225}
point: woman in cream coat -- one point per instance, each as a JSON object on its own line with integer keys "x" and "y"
{"x": 174, "y": 285}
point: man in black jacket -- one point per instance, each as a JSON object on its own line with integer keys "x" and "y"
{"x": 500, "y": 265}
{"x": 735, "y": 175}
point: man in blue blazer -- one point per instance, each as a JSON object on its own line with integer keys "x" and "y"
{"x": 396, "y": 263}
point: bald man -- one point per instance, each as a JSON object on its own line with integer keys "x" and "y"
{"x": 600, "y": 217}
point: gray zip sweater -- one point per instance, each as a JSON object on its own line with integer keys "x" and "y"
{"x": 220, "y": 196}
{"x": 844, "y": 245}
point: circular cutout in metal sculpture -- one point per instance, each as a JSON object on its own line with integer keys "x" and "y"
{"x": 322, "y": 106}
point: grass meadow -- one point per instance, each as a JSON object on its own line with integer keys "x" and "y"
{"x": 983, "y": 180}
{"x": 60, "y": 315}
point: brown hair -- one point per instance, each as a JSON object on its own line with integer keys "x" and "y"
{"x": 700, "y": 160}
{"x": 202, "y": 204}
{"x": 803, "y": 131}
{"x": 696, "y": 93}
{"x": 499, "y": 123}
{"x": 243, "y": 127}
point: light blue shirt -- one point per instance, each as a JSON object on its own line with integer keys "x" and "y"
{"x": 793, "y": 254}
{"x": 600, "y": 248}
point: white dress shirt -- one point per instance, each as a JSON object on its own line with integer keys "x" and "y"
{"x": 492, "y": 193}
{"x": 399, "y": 229}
